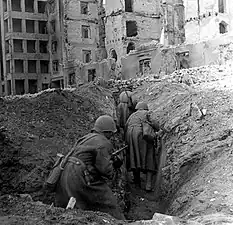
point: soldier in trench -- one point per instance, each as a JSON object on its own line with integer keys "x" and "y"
{"x": 141, "y": 155}
{"x": 125, "y": 108}
{"x": 84, "y": 176}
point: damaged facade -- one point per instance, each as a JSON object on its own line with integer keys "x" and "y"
{"x": 24, "y": 40}
{"x": 130, "y": 23}
{"x": 207, "y": 19}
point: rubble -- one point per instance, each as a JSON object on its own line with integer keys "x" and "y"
{"x": 203, "y": 74}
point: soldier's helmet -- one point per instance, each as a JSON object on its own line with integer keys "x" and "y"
{"x": 124, "y": 96}
{"x": 141, "y": 106}
{"x": 105, "y": 123}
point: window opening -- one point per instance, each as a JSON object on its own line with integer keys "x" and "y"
{"x": 85, "y": 31}
{"x": 131, "y": 28}
{"x": 31, "y": 46}
{"x": 30, "y": 26}
{"x": 17, "y": 25}
{"x": 84, "y": 7}
{"x": 86, "y": 56}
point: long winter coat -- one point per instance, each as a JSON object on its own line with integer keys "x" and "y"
{"x": 96, "y": 160}
{"x": 141, "y": 154}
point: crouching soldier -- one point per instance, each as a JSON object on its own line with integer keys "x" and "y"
{"x": 86, "y": 170}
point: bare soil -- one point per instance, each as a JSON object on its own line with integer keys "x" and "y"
{"x": 197, "y": 178}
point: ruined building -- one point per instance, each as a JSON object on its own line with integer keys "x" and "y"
{"x": 25, "y": 56}
{"x": 130, "y": 23}
{"x": 207, "y": 19}
{"x": 76, "y": 34}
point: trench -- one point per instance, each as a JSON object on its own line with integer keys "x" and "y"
{"x": 137, "y": 204}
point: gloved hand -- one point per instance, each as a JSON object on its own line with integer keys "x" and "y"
{"x": 117, "y": 162}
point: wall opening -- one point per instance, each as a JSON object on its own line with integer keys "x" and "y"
{"x": 7, "y": 46}
{"x": 84, "y": 8}
{"x": 4, "y": 5}
{"x": 19, "y": 87}
{"x": 91, "y": 75}
{"x": 31, "y": 46}
{"x": 54, "y": 47}
{"x": 18, "y": 45}
{"x": 44, "y": 66}
{"x": 86, "y": 31}
{"x": 222, "y": 6}
{"x": 53, "y": 26}
{"x": 43, "y": 46}
{"x": 8, "y": 66}
{"x": 43, "y": 27}
{"x": 131, "y": 28}
{"x": 17, "y": 25}
{"x": 86, "y": 56}
{"x": 45, "y": 86}
{"x": 32, "y": 86}
{"x": 16, "y": 5}
{"x": 128, "y": 6}
{"x": 19, "y": 66}
{"x": 145, "y": 66}
{"x": 55, "y": 66}
{"x": 71, "y": 79}
{"x": 223, "y": 27}
{"x": 9, "y": 87}
{"x": 29, "y": 5}
{"x": 31, "y": 66}
{"x": 6, "y": 26}
{"x": 41, "y": 7}
{"x": 30, "y": 26}
{"x": 131, "y": 46}
{"x": 56, "y": 84}
{"x": 113, "y": 54}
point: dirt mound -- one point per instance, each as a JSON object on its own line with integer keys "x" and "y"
{"x": 198, "y": 172}
{"x": 41, "y": 125}
{"x": 22, "y": 210}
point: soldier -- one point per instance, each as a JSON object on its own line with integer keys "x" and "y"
{"x": 86, "y": 170}
{"x": 125, "y": 108}
{"x": 141, "y": 155}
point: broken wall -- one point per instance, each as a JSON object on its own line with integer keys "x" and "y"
{"x": 165, "y": 60}
{"x": 147, "y": 29}
{"x": 212, "y": 20}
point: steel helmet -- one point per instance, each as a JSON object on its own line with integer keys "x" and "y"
{"x": 142, "y": 106}
{"x": 124, "y": 96}
{"x": 105, "y": 123}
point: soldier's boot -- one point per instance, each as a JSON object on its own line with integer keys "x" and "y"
{"x": 149, "y": 176}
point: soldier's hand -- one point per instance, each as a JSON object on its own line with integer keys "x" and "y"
{"x": 117, "y": 162}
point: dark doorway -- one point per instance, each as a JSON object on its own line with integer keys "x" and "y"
{"x": 91, "y": 75}
{"x": 131, "y": 46}
{"x": 113, "y": 54}
{"x": 32, "y": 85}
{"x": 19, "y": 87}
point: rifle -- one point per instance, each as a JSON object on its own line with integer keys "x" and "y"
{"x": 119, "y": 151}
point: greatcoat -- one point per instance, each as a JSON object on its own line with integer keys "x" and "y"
{"x": 94, "y": 158}
{"x": 141, "y": 154}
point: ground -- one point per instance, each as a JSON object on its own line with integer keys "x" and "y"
{"x": 197, "y": 177}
